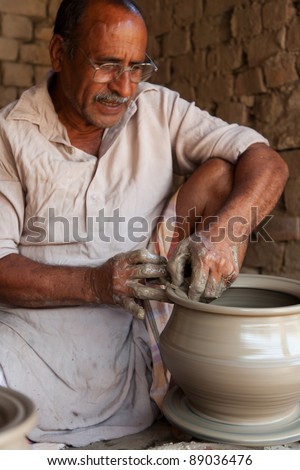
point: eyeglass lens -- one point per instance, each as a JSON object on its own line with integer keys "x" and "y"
{"x": 109, "y": 72}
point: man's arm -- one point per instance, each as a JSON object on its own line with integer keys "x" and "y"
{"x": 216, "y": 253}
{"x": 260, "y": 177}
{"x": 26, "y": 283}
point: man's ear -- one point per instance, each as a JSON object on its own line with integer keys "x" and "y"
{"x": 57, "y": 52}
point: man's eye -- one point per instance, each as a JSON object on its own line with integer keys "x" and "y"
{"x": 109, "y": 67}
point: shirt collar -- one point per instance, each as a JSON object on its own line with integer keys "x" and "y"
{"x": 35, "y": 105}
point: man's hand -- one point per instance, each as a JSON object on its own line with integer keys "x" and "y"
{"x": 121, "y": 280}
{"x": 214, "y": 265}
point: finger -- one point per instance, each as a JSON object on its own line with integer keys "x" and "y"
{"x": 148, "y": 271}
{"x": 163, "y": 281}
{"x": 144, "y": 256}
{"x": 131, "y": 306}
{"x": 143, "y": 292}
{"x": 177, "y": 263}
{"x": 199, "y": 278}
{"x": 215, "y": 286}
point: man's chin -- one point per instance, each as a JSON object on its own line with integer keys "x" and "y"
{"x": 103, "y": 123}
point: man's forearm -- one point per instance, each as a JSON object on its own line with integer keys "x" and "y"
{"x": 260, "y": 177}
{"x": 26, "y": 283}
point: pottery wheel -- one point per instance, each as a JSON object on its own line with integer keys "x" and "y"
{"x": 176, "y": 410}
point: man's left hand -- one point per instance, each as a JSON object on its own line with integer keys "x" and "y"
{"x": 214, "y": 265}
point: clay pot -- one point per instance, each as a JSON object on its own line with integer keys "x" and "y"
{"x": 237, "y": 359}
{"x": 17, "y": 418}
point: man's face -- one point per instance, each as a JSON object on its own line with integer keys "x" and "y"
{"x": 112, "y": 35}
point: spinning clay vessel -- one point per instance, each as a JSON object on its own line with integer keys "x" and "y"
{"x": 236, "y": 362}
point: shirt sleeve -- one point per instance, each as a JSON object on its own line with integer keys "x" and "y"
{"x": 11, "y": 200}
{"x": 197, "y": 136}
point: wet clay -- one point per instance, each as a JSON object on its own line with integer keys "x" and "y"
{"x": 236, "y": 360}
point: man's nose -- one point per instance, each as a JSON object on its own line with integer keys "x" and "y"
{"x": 123, "y": 85}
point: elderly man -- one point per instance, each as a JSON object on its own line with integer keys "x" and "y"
{"x": 87, "y": 160}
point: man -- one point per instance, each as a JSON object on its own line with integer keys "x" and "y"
{"x": 86, "y": 170}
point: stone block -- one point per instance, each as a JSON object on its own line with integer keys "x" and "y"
{"x": 184, "y": 88}
{"x": 292, "y": 99}
{"x": 177, "y": 42}
{"x": 292, "y": 256}
{"x": 293, "y": 36}
{"x": 233, "y": 112}
{"x": 246, "y": 21}
{"x": 7, "y": 95}
{"x": 8, "y": 49}
{"x": 269, "y": 107}
{"x": 159, "y": 17}
{"x": 290, "y": 273}
{"x": 284, "y": 228}
{"x": 268, "y": 255}
{"x": 41, "y": 73}
{"x": 248, "y": 100}
{"x": 185, "y": 13}
{"x": 163, "y": 75}
{"x": 17, "y": 27}
{"x": 218, "y": 7}
{"x": 276, "y": 13}
{"x": 292, "y": 158}
{"x": 246, "y": 270}
{"x": 35, "y": 54}
{"x": 287, "y": 134}
{"x": 35, "y": 8}
{"x": 264, "y": 46}
{"x": 43, "y": 33}
{"x": 18, "y": 75}
{"x": 298, "y": 64}
{"x": 211, "y": 31}
{"x": 284, "y": 119}
{"x": 154, "y": 48}
{"x": 53, "y": 7}
{"x": 216, "y": 89}
{"x": 292, "y": 196}
{"x": 280, "y": 70}
{"x": 224, "y": 58}
{"x": 250, "y": 82}
{"x": 191, "y": 66}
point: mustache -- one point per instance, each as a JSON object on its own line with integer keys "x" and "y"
{"x": 112, "y": 97}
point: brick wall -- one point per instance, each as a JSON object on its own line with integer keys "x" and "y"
{"x": 239, "y": 59}
{"x": 26, "y": 27}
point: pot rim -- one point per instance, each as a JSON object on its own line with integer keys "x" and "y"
{"x": 257, "y": 281}
{"x": 23, "y": 421}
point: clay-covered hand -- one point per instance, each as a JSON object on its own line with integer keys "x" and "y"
{"x": 122, "y": 280}
{"x": 213, "y": 265}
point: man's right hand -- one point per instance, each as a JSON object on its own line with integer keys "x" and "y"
{"x": 121, "y": 280}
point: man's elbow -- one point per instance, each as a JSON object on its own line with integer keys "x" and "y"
{"x": 281, "y": 168}
{"x": 270, "y": 160}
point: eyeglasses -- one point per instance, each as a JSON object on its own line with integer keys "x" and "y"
{"x": 108, "y": 72}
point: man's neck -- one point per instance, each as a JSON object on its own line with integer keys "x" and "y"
{"x": 82, "y": 136}
{"x": 89, "y": 142}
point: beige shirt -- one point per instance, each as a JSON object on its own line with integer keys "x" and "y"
{"x": 88, "y": 368}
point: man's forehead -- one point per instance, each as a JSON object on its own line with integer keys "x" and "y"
{"x": 109, "y": 14}
{"x": 109, "y": 21}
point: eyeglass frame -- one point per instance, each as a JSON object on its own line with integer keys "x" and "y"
{"x": 123, "y": 68}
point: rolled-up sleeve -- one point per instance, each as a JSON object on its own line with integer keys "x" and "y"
{"x": 196, "y": 136}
